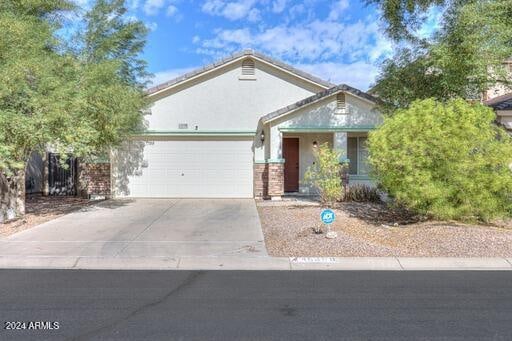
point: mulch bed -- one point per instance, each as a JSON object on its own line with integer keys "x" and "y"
{"x": 41, "y": 209}
{"x": 369, "y": 229}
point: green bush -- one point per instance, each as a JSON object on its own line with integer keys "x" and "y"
{"x": 325, "y": 174}
{"x": 446, "y": 160}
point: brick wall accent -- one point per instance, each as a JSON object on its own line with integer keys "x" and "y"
{"x": 94, "y": 179}
{"x": 275, "y": 179}
{"x": 260, "y": 177}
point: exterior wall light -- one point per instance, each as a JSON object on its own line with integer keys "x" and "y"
{"x": 262, "y": 136}
{"x": 315, "y": 144}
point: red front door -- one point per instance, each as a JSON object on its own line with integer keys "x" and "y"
{"x": 291, "y": 164}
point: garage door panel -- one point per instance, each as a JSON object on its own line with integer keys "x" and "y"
{"x": 187, "y": 168}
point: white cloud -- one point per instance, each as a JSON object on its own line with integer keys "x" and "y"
{"x": 152, "y": 7}
{"x": 279, "y": 5}
{"x": 337, "y": 9}
{"x": 314, "y": 41}
{"x": 82, "y": 3}
{"x": 358, "y": 74}
{"x": 432, "y": 22}
{"x": 171, "y": 11}
{"x": 196, "y": 39}
{"x": 336, "y": 50}
{"x": 232, "y": 10}
{"x": 152, "y": 26}
{"x": 133, "y": 4}
{"x": 167, "y": 75}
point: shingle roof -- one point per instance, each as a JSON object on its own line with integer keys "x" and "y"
{"x": 233, "y": 57}
{"x": 503, "y": 102}
{"x": 316, "y": 98}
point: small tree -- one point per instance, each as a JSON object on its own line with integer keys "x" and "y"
{"x": 447, "y": 160}
{"x": 82, "y": 101}
{"x": 325, "y": 174}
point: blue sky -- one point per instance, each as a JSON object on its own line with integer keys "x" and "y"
{"x": 340, "y": 40}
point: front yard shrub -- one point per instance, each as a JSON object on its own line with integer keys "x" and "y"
{"x": 362, "y": 193}
{"x": 446, "y": 160}
{"x": 325, "y": 174}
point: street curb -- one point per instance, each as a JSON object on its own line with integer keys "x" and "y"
{"x": 256, "y": 263}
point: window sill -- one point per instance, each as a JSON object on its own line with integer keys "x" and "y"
{"x": 247, "y": 78}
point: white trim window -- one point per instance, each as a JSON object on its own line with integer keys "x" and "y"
{"x": 358, "y": 155}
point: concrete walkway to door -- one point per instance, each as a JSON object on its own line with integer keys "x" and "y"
{"x": 146, "y": 228}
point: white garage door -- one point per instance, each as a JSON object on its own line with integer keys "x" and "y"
{"x": 184, "y": 168}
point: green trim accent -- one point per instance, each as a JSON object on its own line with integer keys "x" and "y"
{"x": 275, "y": 161}
{"x": 196, "y": 133}
{"x": 326, "y": 129}
{"x": 260, "y": 161}
{"x": 359, "y": 177}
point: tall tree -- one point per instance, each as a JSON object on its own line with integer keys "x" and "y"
{"x": 79, "y": 102}
{"x": 463, "y": 59}
{"x": 110, "y": 36}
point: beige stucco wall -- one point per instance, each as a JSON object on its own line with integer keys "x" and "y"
{"x": 361, "y": 114}
{"x": 221, "y": 101}
{"x": 505, "y": 118}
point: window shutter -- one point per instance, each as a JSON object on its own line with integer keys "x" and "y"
{"x": 341, "y": 106}
{"x": 248, "y": 67}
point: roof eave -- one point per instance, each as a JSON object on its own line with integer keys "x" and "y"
{"x": 158, "y": 89}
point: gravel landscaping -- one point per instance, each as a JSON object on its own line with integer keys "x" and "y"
{"x": 366, "y": 230}
{"x": 41, "y": 209}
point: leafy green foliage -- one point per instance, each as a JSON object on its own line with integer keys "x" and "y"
{"x": 81, "y": 101}
{"x": 325, "y": 174}
{"x": 110, "y": 36}
{"x": 403, "y": 17}
{"x": 447, "y": 160}
{"x": 463, "y": 59}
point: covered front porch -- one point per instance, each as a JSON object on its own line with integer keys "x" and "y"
{"x": 298, "y": 153}
{"x": 285, "y": 145}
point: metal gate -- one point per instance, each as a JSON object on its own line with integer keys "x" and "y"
{"x": 61, "y": 180}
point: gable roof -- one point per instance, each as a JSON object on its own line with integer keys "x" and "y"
{"x": 503, "y": 102}
{"x": 317, "y": 97}
{"x": 232, "y": 58}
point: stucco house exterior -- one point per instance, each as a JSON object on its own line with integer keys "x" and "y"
{"x": 245, "y": 126}
{"x": 502, "y": 105}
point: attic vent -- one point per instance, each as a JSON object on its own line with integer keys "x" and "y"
{"x": 183, "y": 126}
{"x": 248, "y": 67}
{"x": 341, "y": 105}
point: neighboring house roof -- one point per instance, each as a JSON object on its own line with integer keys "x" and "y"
{"x": 234, "y": 57}
{"x": 317, "y": 97}
{"x": 503, "y": 102}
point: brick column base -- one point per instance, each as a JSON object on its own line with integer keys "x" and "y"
{"x": 94, "y": 180}
{"x": 275, "y": 180}
{"x": 260, "y": 176}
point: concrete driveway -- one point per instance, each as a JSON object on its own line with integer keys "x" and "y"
{"x": 147, "y": 228}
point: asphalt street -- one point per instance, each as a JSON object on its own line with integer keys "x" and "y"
{"x": 255, "y": 305}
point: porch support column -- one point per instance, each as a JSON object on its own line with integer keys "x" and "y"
{"x": 276, "y": 165}
{"x": 340, "y": 142}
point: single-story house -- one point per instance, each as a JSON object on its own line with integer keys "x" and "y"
{"x": 503, "y": 107}
{"x": 245, "y": 126}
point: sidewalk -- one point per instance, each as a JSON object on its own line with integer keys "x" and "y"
{"x": 255, "y": 263}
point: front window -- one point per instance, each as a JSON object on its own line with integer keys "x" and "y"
{"x": 358, "y": 155}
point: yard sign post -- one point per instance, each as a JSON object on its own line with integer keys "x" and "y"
{"x": 328, "y": 216}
